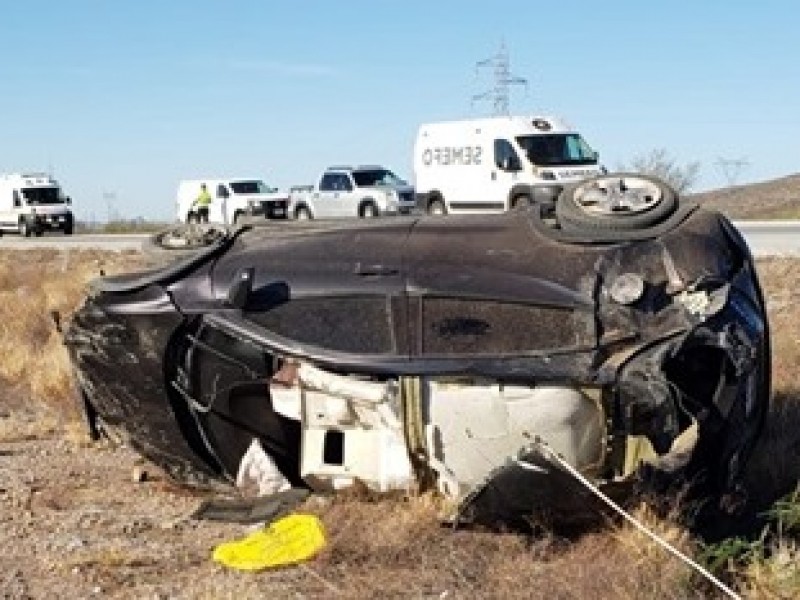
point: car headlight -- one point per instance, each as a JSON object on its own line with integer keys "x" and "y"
{"x": 627, "y": 288}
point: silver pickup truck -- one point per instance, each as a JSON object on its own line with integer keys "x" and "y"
{"x": 363, "y": 191}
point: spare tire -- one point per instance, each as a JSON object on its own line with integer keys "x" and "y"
{"x": 615, "y": 202}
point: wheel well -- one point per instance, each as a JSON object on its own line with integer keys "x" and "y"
{"x": 301, "y": 206}
{"x": 366, "y": 202}
{"x": 434, "y": 196}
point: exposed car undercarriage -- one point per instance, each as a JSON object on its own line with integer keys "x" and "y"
{"x": 439, "y": 352}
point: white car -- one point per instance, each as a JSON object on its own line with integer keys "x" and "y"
{"x": 231, "y": 199}
{"x": 364, "y": 191}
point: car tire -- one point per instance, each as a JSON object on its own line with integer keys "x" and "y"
{"x": 615, "y": 202}
{"x": 183, "y": 240}
{"x": 522, "y": 202}
{"x": 437, "y": 207}
{"x": 302, "y": 214}
{"x": 192, "y": 218}
{"x": 368, "y": 211}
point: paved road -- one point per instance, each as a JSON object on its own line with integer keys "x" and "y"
{"x": 771, "y": 238}
{"x": 766, "y": 238}
{"x": 121, "y": 241}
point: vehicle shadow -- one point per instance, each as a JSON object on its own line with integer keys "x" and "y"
{"x": 774, "y": 469}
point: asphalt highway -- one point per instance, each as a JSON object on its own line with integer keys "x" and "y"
{"x": 765, "y": 238}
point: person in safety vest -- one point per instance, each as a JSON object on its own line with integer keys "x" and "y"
{"x": 202, "y": 203}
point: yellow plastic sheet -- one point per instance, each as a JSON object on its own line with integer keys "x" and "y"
{"x": 287, "y": 541}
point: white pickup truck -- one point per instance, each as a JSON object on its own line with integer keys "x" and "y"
{"x": 231, "y": 199}
{"x": 363, "y": 191}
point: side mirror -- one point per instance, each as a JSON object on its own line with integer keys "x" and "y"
{"x": 68, "y": 200}
{"x": 241, "y": 288}
{"x": 17, "y": 203}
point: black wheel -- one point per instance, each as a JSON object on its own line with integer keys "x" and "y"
{"x": 521, "y": 202}
{"x": 437, "y": 207}
{"x": 38, "y": 231}
{"x": 24, "y": 228}
{"x": 183, "y": 240}
{"x": 302, "y": 214}
{"x": 68, "y": 229}
{"x": 192, "y": 218}
{"x": 368, "y": 211}
{"x": 615, "y": 202}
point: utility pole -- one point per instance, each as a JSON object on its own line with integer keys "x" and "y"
{"x": 732, "y": 168}
{"x": 503, "y": 80}
{"x": 111, "y": 211}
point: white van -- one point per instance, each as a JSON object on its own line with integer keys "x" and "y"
{"x": 31, "y": 203}
{"x": 498, "y": 163}
{"x": 231, "y": 200}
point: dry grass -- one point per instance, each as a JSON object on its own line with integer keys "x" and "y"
{"x": 397, "y": 547}
{"x": 773, "y": 199}
{"x": 34, "y": 287}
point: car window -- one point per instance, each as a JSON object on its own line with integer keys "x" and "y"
{"x": 344, "y": 183}
{"x": 357, "y": 324}
{"x": 557, "y": 149}
{"x": 250, "y": 187}
{"x": 328, "y": 182}
{"x": 505, "y": 157}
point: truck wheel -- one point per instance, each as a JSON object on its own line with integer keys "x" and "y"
{"x": 615, "y": 202}
{"x": 302, "y": 214}
{"x": 68, "y": 229}
{"x": 24, "y": 228}
{"x": 368, "y": 211}
{"x": 521, "y": 203}
{"x": 437, "y": 207}
{"x": 192, "y": 218}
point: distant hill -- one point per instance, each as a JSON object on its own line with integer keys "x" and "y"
{"x": 774, "y": 199}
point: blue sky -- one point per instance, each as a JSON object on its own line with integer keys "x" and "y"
{"x": 123, "y": 99}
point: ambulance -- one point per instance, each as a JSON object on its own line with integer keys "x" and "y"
{"x": 499, "y": 163}
{"x": 31, "y": 203}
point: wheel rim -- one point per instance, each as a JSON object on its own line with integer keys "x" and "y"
{"x": 617, "y": 196}
{"x": 436, "y": 208}
{"x": 302, "y": 215}
{"x": 369, "y": 211}
{"x": 522, "y": 203}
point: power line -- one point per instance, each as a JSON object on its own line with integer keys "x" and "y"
{"x": 500, "y": 64}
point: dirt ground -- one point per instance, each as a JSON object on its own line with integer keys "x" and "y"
{"x": 74, "y": 523}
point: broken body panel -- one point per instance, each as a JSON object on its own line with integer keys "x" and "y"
{"x": 419, "y": 352}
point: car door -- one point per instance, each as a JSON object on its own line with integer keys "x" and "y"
{"x": 349, "y": 196}
{"x": 503, "y": 175}
{"x": 338, "y": 201}
{"x": 323, "y": 198}
{"x": 217, "y": 212}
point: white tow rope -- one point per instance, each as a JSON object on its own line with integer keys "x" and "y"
{"x": 632, "y": 520}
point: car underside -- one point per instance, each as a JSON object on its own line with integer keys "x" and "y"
{"x": 453, "y": 353}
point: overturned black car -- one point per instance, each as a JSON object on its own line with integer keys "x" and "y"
{"x": 624, "y": 329}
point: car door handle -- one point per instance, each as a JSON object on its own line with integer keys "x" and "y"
{"x": 363, "y": 270}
